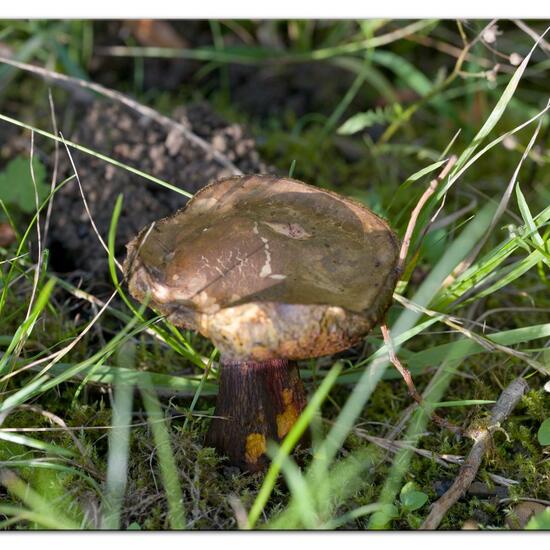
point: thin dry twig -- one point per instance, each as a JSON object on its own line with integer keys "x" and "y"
{"x": 431, "y": 189}
{"x": 454, "y": 51}
{"x": 444, "y": 460}
{"x": 143, "y": 110}
{"x": 505, "y": 404}
{"x": 406, "y": 374}
{"x": 532, "y": 33}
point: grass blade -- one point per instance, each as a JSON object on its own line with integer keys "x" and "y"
{"x": 41, "y": 509}
{"x": 167, "y": 462}
{"x": 119, "y": 442}
{"x": 24, "y": 331}
{"x": 290, "y": 442}
{"x": 105, "y": 158}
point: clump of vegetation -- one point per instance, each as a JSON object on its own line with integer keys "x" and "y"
{"x": 104, "y": 406}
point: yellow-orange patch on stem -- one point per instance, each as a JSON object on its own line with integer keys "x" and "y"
{"x": 255, "y": 447}
{"x": 290, "y": 414}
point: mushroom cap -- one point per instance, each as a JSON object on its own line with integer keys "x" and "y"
{"x": 267, "y": 268}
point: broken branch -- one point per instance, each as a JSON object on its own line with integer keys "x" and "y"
{"x": 506, "y": 403}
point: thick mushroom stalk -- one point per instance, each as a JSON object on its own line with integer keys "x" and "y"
{"x": 257, "y": 401}
{"x": 273, "y": 271}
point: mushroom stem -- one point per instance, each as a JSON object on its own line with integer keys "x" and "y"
{"x": 257, "y": 401}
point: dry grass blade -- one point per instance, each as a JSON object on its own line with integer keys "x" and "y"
{"x": 38, "y": 233}
{"x": 533, "y": 34}
{"x": 484, "y": 342}
{"x": 444, "y": 460}
{"x": 55, "y": 168}
{"x": 130, "y": 103}
{"x": 502, "y": 206}
{"x": 418, "y": 208}
{"x": 94, "y": 226}
{"x": 58, "y": 355}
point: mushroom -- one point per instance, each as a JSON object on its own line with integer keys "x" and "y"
{"x": 272, "y": 271}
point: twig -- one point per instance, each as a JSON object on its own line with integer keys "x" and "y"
{"x": 406, "y": 374}
{"x": 418, "y": 208}
{"x": 533, "y": 34}
{"x": 453, "y": 51}
{"x": 506, "y": 403}
{"x": 143, "y": 110}
{"x": 444, "y": 460}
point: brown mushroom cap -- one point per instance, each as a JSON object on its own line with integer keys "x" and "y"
{"x": 268, "y": 268}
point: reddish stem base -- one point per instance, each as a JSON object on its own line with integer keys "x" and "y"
{"x": 256, "y": 402}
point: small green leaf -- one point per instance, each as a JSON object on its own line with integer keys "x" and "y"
{"x": 361, "y": 121}
{"x": 543, "y": 434}
{"x": 410, "y": 498}
{"x": 16, "y": 185}
{"x": 540, "y": 522}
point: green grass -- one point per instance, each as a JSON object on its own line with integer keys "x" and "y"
{"x": 118, "y": 420}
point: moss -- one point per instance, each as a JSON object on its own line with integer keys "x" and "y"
{"x": 207, "y": 482}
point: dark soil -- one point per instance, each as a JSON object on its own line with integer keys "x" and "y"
{"x": 276, "y": 90}
{"x": 109, "y": 128}
{"x": 138, "y": 142}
